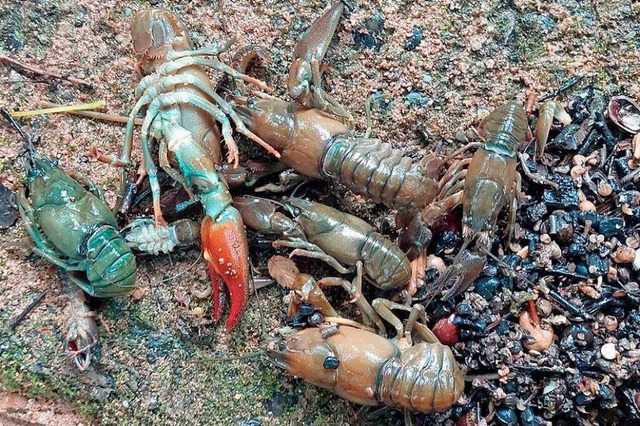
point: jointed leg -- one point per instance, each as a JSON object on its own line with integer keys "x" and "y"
{"x": 384, "y": 307}
{"x": 369, "y": 315}
{"x": 149, "y": 165}
{"x": 207, "y": 51}
{"x": 172, "y": 67}
{"x": 163, "y": 159}
{"x": 322, "y": 100}
{"x": 307, "y": 249}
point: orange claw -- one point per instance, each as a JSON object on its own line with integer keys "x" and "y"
{"x": 227, "y": 251}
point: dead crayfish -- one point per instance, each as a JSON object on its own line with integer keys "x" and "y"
{"x": 314, "y": 143}
{"x": 73, "y": 228}
{"x": 490, "y": 184}
{"x": 181, "y": 113}
{"x": 368, "y": 369}
{"x": 324, "y": 233}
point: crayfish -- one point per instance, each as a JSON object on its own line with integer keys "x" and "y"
{"x": 181, "y": 113}
{"x": 324, "y": 233}
{"x": 367, "y": 368}
{"x": 72, "y": 227}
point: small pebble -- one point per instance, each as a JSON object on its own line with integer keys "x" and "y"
{"x": 587, "y": 205}
{"x": 197, "y": 311}
{"x": 609, "y": 351}
{"x": 461, "y": 137}
{"x": 544, "y": 307}
{"x": 624, "y": 255}
{"x": 636, "y": 260}
{"x": 604, "y": 189}
{"x": 632, "y": 242}
{"x": 610, "y": 323}
{"x": 446, "y": 331}
{"x": 545, "y": 239}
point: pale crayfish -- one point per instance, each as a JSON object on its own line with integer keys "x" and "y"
{"x": 181, "y": 113}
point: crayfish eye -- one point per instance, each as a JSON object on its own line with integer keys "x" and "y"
{"x": 295, "y": 211}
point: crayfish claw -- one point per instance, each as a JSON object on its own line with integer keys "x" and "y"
{"x": 227, "y": 252}
{"x": 81, "y": 330}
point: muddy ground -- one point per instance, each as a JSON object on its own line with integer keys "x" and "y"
{"x": 442, "y": 65}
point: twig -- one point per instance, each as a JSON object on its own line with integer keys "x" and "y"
{"x": 563, "y": 88}
{"x": 61, "y": 108}
{"x": 92, "y": 114}
{"x": 38, "y": 71}
{"x": 26, "y": 310}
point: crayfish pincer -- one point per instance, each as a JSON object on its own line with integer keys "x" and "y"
{"x": 72, "y": 227}
{"x": 365, "y": 368}
{"x": 182, "y": 109}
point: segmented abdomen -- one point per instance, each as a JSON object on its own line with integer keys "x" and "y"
{"x": 375, "y": 170}
{"x": 424, "y": 378}
{"x": 112, "y": 267}
{"x": 384, "y": 262}
{"x": 505, "y": 129}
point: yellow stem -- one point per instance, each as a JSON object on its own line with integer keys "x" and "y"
{"x": 66, "y": 108}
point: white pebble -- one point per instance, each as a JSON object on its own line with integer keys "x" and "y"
{"x": 636, "y": 260}
{"x": 609, "y": 351}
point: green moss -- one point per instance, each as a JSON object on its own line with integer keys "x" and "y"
{"x": 16, "y": 376}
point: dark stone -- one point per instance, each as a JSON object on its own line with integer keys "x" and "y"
{"x": 534, "y": 212}
{"x": 527, "y": 418}
{"x": 577, "y": 336}
{"x": 465, "y": 310}
{"x": 414, "y": 39}
{"x": 306, "y": 309}
{"x": 8, "y": 207}
{"x": 416, "y": 99}
{"x": 584, "y": 359}
{"x": 502, "y": 328}
{"x": 610, "y": 226}
{"x": 560, "y": 224}
{"x": 581, "y": 269}
{"x": 565, "y": 197}
{"x": 566, "y": 139}
{"x": 487, "y": 286}
{"x": 316, "y": 319}
{"x": 583, "y": 400}
{"x": 589, "y": 215}
{"x": 506, "y": 416}
{"x": 513, "y": 260}
{"x": 373, "y": 37}
{"x": 577, "y": 248}
{"x": 446, "y": 240}
{"x": 596, "y": 264}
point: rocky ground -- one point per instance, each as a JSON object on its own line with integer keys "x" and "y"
{"x": 441, "y": 66}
